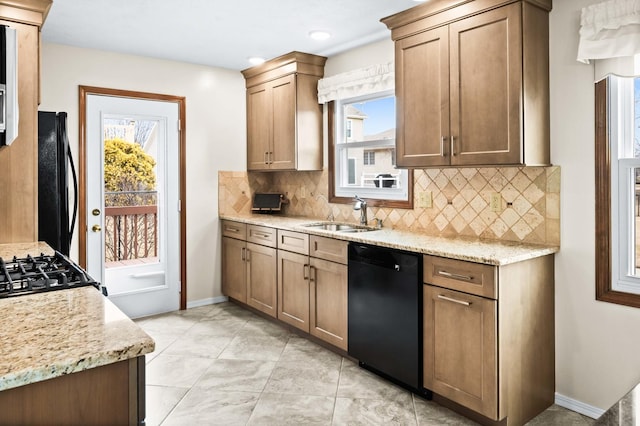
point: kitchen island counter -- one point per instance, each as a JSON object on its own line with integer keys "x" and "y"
{"x": 470, "y": 249}
{"x": 56, "y": 333}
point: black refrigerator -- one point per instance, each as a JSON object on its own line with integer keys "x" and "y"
{"x": 55, "y": 165}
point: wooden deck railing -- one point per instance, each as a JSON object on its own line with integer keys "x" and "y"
{"x": 131, "y": 232}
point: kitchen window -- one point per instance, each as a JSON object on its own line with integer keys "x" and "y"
{"x": 618, "y": 190}
{"x": 362, "y": 147}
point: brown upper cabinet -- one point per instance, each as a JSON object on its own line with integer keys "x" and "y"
{"x": 284, "y": 119}
{"x": 19, "y": 170}
{"x": 472, "y": 83}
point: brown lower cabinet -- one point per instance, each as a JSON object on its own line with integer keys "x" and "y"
{"x": 313, "y": 292}
{"x": 112, "y": 394}
{"x": 489, "y": 336}
{"x": 249, "y": 268}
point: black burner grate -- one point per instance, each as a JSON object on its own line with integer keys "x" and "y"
{"x": 42, "y": 273}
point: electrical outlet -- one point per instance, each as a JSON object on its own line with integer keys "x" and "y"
{"x": 496, "y": 202}
{"x": 303, "y": 192}
{"x": 424, "y": 200}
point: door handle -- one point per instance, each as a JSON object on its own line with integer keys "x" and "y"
{"x": 242, "y": 254}
{"x": 443, "y": 139}
{"x": 147, "y": 274}
{"x": 95, "y": 212}
{"x": 450, "y": 299}
{"x": 312, "y": 268}
{"x": 96, "y": 228}
{"x": 455, "y": 276}
{"x": 305, "y": 272}
{"x": 453, "y": 146}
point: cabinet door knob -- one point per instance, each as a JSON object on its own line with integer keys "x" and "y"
{"x": 96, "y": 228}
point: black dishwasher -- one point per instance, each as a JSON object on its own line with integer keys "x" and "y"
{"x": 385, "y": 312}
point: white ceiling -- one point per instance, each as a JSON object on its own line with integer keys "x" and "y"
{"x": 221, "y": 33}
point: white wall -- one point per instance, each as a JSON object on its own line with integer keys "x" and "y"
{"x": 215, "y": 127}
{"x": 597, "y": 343}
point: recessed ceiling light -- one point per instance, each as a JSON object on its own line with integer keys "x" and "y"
{"x": 319, "y": 35}
{"x": 255, "y": 60}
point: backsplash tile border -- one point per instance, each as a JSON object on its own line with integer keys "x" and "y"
{"x": 530, "y": 210}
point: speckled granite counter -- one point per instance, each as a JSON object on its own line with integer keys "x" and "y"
{"x": 61, "y": 332}
{"x": 7, "y": 251}
{"x": 623, "y": 412}
{"x": 473, "y": 250}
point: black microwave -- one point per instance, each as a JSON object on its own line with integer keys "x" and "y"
{"x": 8, "y": 85}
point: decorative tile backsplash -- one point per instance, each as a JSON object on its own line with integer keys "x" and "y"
{"x": 530, "y": 210}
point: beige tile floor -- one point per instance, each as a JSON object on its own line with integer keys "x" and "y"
{"x": 223, "y": 365}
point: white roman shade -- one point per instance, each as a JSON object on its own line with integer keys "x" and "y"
{"x": 360, "y": 82}
{"x": 609, "y": 30}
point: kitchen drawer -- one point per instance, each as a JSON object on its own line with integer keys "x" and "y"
{"x": 469, "y": 277}
{"x": 296, "y": 242}
{"x": 234, "y": 229}
{"x": 328, "y": 249}
{"x": 261, "y": 235}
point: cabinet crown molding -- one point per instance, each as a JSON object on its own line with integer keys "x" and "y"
{"x": 33, "y": 12}
{"x": 439, "y": 12}
{"x": 292, "y": 62}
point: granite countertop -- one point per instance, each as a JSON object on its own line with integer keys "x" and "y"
{"x": 623, "y": 412}
{"x": 61, "y": 332}
{"x": 470, "y": 249}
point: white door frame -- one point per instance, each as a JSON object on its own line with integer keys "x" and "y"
{"x": 85, "y": 91}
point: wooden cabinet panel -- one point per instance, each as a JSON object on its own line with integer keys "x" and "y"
{"x": 284, "y": 119}
{"x": 234, "y": 229}
{"x": 106, "y": 395}
{"x": 19, "y": 161}
{"x": 262, "y": 235}
{"x": 422, "y": 92}
{"x": 328, "y": 249}
{"x": 460, "y": 348}
{"x": 296, "y": 242}
{"x": 234, "y": 282}
{"x": 474, "y": 278}
{"x": 259, "y": 122}
{"x": 328, "y": 302}
{"x": 293, "y": 289}
{"x": 486, "y": 88}
{"x": 283, "y": 152}
{"x": 472, "y": 84}
{"x": 261, "y": 278}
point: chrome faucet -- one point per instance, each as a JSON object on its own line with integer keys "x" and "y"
{"x": 361, "y": 205}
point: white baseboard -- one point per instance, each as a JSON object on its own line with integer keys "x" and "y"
{"x": 578, "y": 406}
{"x": 204, "y": 302}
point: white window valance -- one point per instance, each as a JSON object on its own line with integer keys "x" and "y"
{"x": 360, "y": 82}
{"x": 609, "y": 30}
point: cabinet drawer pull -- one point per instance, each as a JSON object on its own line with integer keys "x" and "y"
{"x": 312, "y": 268}
{"x": 453, "y": 146}
{"x": 261, "y": 234}
{"x": 247, "y": 255}
{"x": 242, "y": 254}
{"x": 449, "y": 299}
{"x": 266, "y": 157}
{"x": 455, "y": 276}
{"x": 229, "y": 229}
{"x": 442, "y": 142}
{"x": 305, "y": 271}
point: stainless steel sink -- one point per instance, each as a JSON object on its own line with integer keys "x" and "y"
{"x": 339, "y": 227}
